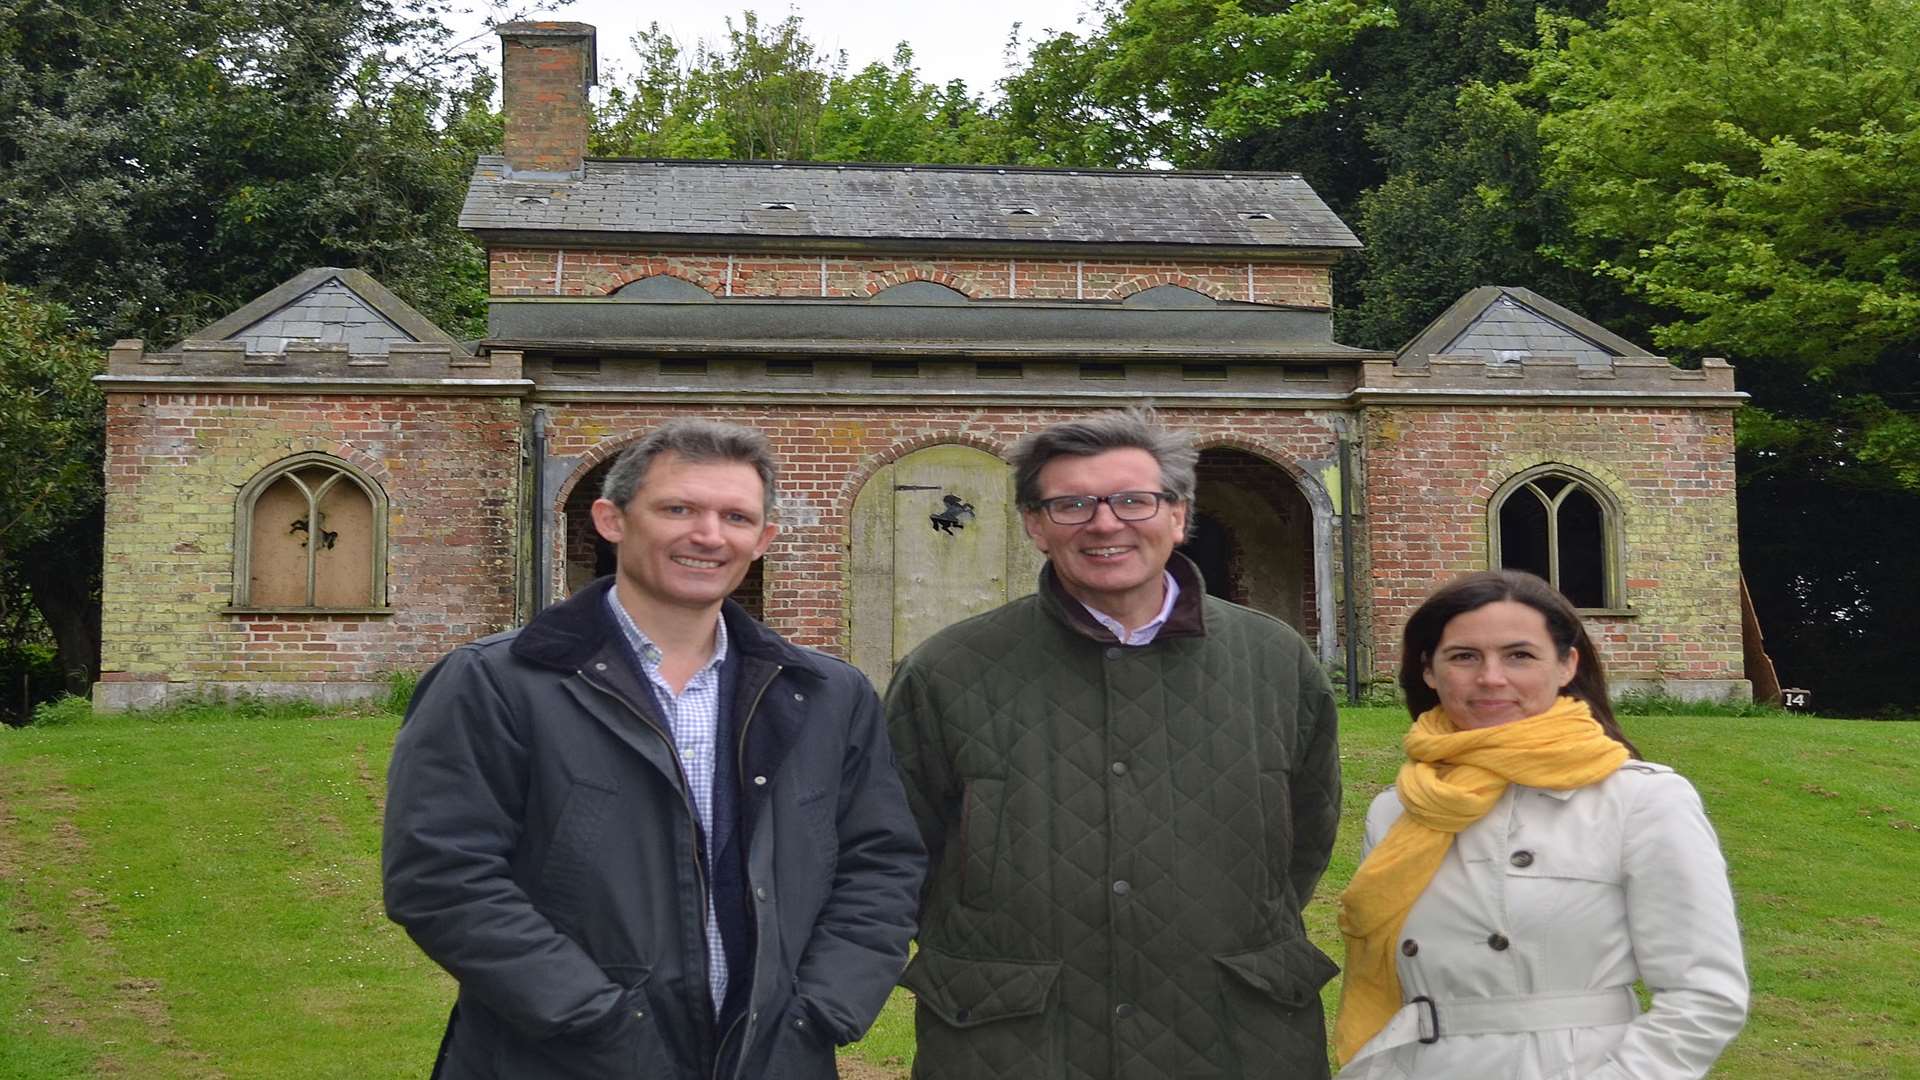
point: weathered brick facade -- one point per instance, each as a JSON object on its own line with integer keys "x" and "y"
{"x": 449, "y": 467}
{"x": 1431, "y": 472}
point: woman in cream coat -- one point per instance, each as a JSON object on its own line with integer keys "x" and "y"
{"x": 1546, "y": 872}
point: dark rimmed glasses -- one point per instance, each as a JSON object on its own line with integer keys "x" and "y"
{"x": 1126, "y": 505}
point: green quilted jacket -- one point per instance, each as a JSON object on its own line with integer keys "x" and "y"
{"x": 1121, "y": 842}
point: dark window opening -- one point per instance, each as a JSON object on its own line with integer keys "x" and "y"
{"x": 1554, "y": 527}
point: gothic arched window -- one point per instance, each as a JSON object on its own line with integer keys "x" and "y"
{"x": 310, "y": 533}
{"x": 1560, "y": 524}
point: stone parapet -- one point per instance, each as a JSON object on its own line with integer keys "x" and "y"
{"x": 418, "y": 362}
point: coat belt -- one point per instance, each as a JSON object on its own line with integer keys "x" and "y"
{"x": 1428, "y": 1020}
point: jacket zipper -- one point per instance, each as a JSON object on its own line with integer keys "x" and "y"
{"x": 686, "y": 798}
{"x": 740, "y": 773}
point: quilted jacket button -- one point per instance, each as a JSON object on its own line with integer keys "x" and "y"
{"x": 1121, "y": 888}
{"x": 1119, "y": 768}
{"x": 1409, "y": 947}
{"x": 1114, "y": 652}
{"x": 759, "y": 781}
{"x": 962, "y": 1015}
{"x": 1522, "y": 859}
{"x": 760, "y": 893}
{"x": 1123, "y": 1010}
{"x": 1497, "y": 941}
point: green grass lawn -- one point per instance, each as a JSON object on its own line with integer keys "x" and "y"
{"x": 196, "y": 894}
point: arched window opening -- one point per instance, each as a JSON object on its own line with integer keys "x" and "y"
{"x": 1554, "y": 524}
{"x": 311, "y": 534}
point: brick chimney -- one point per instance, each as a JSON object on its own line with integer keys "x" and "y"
{"x": 545, "y": 69}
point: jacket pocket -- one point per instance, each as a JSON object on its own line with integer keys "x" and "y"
{"x": 800, "y": 1049}
{"x": 979, "y": 840}
{"x": 573, "y": 855}
{"x": 629, "y": 1045}
{"x": 1270, "y": 1012}
{"x": 982, "y": 1017}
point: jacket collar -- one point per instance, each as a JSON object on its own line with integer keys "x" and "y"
{"x": 1188, "y": 619}
{"x": 571, "y": 632}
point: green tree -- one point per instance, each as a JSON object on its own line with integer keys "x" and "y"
{"x": 1172, "y": 80}
{"x": 768, "y": 95}
{"x": 162, "y": 163}
{"x": 51, "y": 419}
{"x": 1753, "y": 168}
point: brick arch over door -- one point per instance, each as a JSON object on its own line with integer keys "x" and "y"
{"x": 1269, "y": 527}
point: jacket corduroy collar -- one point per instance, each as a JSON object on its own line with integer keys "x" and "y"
{"x": 1188, "y": 619}
{"x": 571, "y": 632}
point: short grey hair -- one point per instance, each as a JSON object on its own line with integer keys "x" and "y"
{"x": 1123, "y": 429}
{"x": 705, "y": 441}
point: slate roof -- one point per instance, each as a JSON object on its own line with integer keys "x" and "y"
{"x": 913, "y": 203}
{"x": 1507, "y": 324}
{"x": 327, "y": 304}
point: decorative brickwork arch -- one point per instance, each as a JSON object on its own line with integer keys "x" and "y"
{"x": 1262, "y": 530}
{"x": 961, "y": 283}
{"x": 310, "y": 534}
{"x": 1143, "y": 282}
{"x": 1563, "y": 524}
{"x": 609, "y": 281}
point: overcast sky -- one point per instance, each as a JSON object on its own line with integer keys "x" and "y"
{"x": 965, "y": 40}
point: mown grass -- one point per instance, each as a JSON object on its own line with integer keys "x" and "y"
{"x": 195, "y": 894}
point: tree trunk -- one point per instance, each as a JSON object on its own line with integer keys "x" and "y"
{"x": 63, "y": 574}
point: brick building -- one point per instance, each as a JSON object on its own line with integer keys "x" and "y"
{"x": 323, "y": 487}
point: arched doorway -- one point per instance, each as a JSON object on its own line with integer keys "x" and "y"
{"x": 589, "y": 557}
{"x": 1252, "y": 537}
{"x": 934, "y": 539}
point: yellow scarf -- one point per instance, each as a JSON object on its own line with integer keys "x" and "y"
{"x": 1451, "y": 779}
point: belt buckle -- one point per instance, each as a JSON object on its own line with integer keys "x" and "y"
{"x": 1430, "y": 1018}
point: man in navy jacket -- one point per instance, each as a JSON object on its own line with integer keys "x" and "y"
{"x": 647, "y": 835}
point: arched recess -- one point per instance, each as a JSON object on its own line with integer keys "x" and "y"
{"x": 1562, "y": 524}
{"x": 934, "y": 538}
{"x": 586, "y": 556}
{"x": 310, "y": 533}
{"x": 1260, "y": 539}
{"x": 662, "y": 287}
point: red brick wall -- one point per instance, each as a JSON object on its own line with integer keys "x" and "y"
{"x": 827, "y": 452}
{"x": 532, "y": 271}
{"x": 1431, "y": 471}
{"x": 175, "y": 463}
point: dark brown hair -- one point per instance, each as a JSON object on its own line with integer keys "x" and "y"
{"x": 1475, "y": 591}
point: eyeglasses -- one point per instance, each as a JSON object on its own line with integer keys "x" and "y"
{"x": 1126, "y": 505}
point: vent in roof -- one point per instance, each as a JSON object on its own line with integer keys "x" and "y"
{"x": 1258, "y": 215}
{"x": 532, "y": 200}
{"x": 776, "y": 206}
{"x": 1021, "y": 211}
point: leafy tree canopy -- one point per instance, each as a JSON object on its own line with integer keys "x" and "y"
{"x": 766, "y": 94}
{"x": 1753, "y": 168}
{"x": 161, "y": 163}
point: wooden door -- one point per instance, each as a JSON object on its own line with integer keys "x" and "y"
{"x": 935, "y": 540}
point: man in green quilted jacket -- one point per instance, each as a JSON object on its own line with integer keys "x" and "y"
{"x": 1127, "y": 789}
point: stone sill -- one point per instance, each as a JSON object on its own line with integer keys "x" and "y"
{"x": 377, "y": 611}
{"x": 1609, "y": 612}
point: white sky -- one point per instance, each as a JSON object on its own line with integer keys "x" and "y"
{"x": 964, "y": 40}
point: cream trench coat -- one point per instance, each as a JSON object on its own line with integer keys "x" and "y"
{"x": 1558, "y": 892}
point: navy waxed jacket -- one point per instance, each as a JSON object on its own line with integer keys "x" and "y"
{"x": 540, "y": 846}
